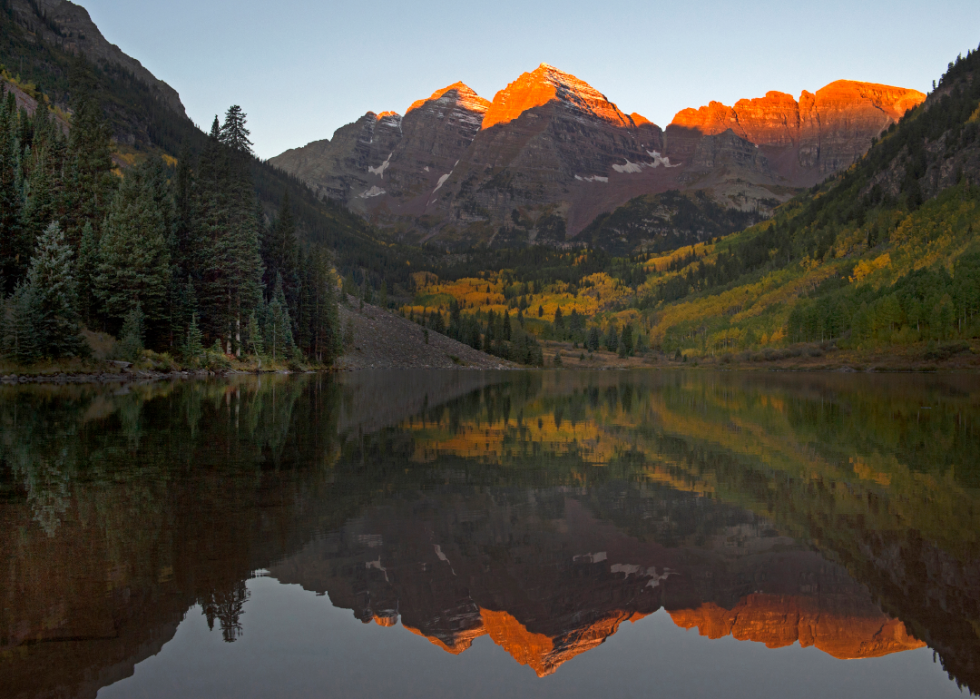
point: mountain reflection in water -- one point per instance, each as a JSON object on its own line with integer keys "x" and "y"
{"x": 542, "y": 510}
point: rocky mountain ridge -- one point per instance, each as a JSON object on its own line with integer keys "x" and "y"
{"x": 550, "y": 153}
{"x": 69, "y": 26}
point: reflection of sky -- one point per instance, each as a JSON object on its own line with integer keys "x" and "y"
{"x": 296, "y": 644}
{"x": 301, "y": 69}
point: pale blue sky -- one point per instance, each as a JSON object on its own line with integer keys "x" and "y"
{"x": 301, "y": 69}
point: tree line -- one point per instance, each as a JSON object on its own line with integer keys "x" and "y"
{"x": 172, "y": 256}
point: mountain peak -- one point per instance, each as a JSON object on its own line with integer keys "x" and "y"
{"x": 463, "y": 96}
{"x": 549, "y": 84}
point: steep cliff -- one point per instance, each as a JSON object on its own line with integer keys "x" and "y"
{"x": 69, "y": 26}
{"x": 388, "y": 163}
{"x": 803, "y": 140}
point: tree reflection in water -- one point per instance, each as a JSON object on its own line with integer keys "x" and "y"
{"x": 540, "y": 509}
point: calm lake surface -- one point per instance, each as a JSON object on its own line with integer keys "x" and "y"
{"x": 513, "y": 534}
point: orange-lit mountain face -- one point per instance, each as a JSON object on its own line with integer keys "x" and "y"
{"x": 819, "y": 621}
{"x": 823, "y": 132}
{"x": 550, "y": 153}
{"x": 547, "y": 580}
{"x": 548, "y": 84}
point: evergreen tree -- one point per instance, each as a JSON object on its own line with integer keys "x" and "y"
{"x": 612, "y": 338}
{"x": 88, "y": 266}
{"x": 234, "y": 135}
{"x": 52, "y": 281}
{"x": 279, "y": 335}
{"x": 90, "y": 149}
{"x": 194, "y": 344}
{"x": 279, "y": 250}
{"x": 134, "y": 263}
{"x": 253, "y": 337}
{"x": 131, "y": 339}
{"x": 20, "y": 326}
{"x": 12, "y": 245}
{"x": 232, "y": 278}
{"x": 592, "y": 343}
{"x": 626, "y": 341}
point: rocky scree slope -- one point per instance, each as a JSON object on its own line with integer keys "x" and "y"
{"x": 382, "y": 340}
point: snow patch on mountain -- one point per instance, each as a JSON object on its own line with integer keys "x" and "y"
{"x": 593, "y": 178}
{"x": 629, "y": 167}
{"x": 658, "y": 160}
{"x": 380, "y": 170}
{"x": 373, "y": 192}
{"x": 442, "y": 180}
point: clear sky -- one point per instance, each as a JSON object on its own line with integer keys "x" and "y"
{"x": 301, "y": 69}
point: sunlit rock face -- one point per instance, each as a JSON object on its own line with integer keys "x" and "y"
{"x": 823, "y": 132}
{"x": 546, "y": 579}
{"x": 551, "y": 145}
{"x": 835, "y": 625}
{"x": 548, "y": 84}
{"x": 551, "y": 152}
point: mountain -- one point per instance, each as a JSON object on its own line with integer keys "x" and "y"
{"x": 883, "y": 254}
{"x": 802, "y": 141}
{"x": 387, "y": 163}
{"x": 551, "y": 153}
{"x": 69, "y": 27}
{"x": 50, "y": 47}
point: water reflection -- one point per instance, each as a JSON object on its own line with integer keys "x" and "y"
{"x": 540, "y": 510}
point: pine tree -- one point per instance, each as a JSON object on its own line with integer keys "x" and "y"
{"x": 232, "y": 278}
{"x": 11, "y": 230}
{"x": 253, "y": 337}
{"x": 131, "y": 339}
{"x": 592, "y": 343}
{"x": 52, "y": 280}
{"x": 40, "y": 207}
{"x": 233, "y": 132}
{"x": 88, "y": 265}
{"x": 20, "y": 326}
{"x": 90, "y": 149}
{"x": 279, "y": 334}
{"x": 194, "y": 344}
{"x": 134, "y": 263}
{"x": 279, "y": 250}
{"x": 626, "y": 341}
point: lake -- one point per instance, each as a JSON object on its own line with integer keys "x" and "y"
{"x": 492, "y": 534}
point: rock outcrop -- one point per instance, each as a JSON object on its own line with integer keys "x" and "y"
{"x": 70, "y": 27}
{"x": 551, "y": 152}
{"x": 805, "y": 140}
{"x": 387, "y": 166}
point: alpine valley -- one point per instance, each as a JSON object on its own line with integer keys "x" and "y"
{"x": 835, "y": 229}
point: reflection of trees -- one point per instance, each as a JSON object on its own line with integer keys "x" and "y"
{"x": 120, "y": 512}
{"x": 227, "y": 607}
{"x": 879, "y": 472}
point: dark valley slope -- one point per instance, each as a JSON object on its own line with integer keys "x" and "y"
{"x": 52, "y": 47}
